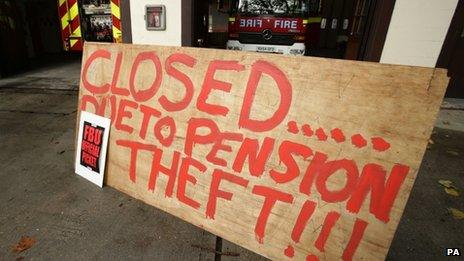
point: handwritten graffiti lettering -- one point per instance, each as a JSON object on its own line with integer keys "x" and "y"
{"x": 230, "y": 143}
{"x": 362, "y": 183}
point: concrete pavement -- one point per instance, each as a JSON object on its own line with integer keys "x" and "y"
{"x": 73, "y": 219}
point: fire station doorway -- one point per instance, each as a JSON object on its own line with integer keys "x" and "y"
{"x": 29, "y": 34}
{"x": 343, "y": 29}
{"x": 200, "y": 22}
{"x": 42, "y": 27}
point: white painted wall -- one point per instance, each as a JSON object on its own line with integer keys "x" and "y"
{"x": 417, "y": 31}
{"x": 173, "y": 34}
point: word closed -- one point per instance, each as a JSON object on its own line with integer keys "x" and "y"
{"x": 293, "y": 158}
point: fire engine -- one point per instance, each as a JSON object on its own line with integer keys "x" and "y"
{"x": 89, "y": 20}
{"x": 274, "y": 26}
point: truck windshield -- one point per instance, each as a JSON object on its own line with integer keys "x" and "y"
{"x": 273, "y": 7}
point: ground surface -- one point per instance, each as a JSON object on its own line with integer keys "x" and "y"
{"x": 71, "y": 219}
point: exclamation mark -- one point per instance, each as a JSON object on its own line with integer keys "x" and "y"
{"x": 329, "y": 223}
{"x": 305, "y": 214}
{"x": 356, "y": 236}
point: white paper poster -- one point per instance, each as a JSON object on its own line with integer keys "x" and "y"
{"x": 92, "y": 145}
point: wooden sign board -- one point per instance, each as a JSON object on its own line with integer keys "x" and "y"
{"x": 291, "y": 157}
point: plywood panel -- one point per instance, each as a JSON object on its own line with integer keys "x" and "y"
{"x": 291, "y": 157}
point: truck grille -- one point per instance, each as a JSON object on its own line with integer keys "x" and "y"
{"x": 257, "y": 38}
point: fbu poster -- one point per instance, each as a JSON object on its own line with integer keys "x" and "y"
{"x": 92, "y": 146}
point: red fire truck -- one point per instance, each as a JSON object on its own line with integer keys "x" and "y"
{"x": 89, "y": 20}
{"x": 274, "y": 26}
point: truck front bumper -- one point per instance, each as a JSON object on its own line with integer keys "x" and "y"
{"x": 295, "y": 49}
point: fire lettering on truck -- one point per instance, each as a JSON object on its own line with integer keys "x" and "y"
{"x": 251, "y": 23}
{"x": 286, "y": 24}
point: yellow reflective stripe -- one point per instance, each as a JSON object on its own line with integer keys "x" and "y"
{"x": 115, "y": 10}
{"x": 116, "y": 32}
{"x": 305, "y": 21}
{"x": 73, "y": 42}
{"x": 117, "y": 35}
{"x": 314, "y": 20}
{"x": 73, "y": 11}
{"x": 77, "y": 32}
{"x": 64, "y": 21}
{"x": 64, "y": 18}
{"x": 231, "y": 19}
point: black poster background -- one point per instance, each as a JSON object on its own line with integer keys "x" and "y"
{"x": 95, "y": 168}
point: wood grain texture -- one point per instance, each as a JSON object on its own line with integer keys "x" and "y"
{"x": 395, "y": 103}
